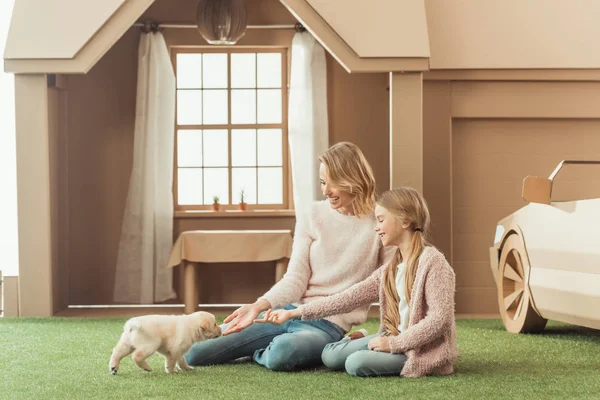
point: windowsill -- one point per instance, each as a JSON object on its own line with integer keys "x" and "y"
{"x": 234, "y": 213}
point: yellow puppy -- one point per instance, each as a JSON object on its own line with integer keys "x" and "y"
{"x": 170, "y": 335}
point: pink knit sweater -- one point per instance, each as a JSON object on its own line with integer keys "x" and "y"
{"x": 429, "y": 342}
{"x": 331, "y": 252}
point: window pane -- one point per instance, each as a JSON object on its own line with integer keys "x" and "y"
{"x": 243, "y": 106}
{"x": 269, "y": 106}
{"x": 215, "y": 148}
{"x": 215, "y": 107}
{"x": 189, "y": 71}
{"x": 244, "y": 178}
{"x": 189, "y": 148}
{"x": 189, "y": 186}
{"x": 243, "y": 147}
{"x": 189, "y": 107}
{"x": 270, "y": 186}
{"x": 214, "y": 70}
{"x": 269, "y": 70}
{"x": 216, "y": 183}
{"x": 269, "y": 147}
{"x": 243, "y": 70}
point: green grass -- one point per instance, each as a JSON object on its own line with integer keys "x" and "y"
{"x": 67, "y": 359}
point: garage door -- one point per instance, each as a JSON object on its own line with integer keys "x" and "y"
{"x": 490, "y": 158}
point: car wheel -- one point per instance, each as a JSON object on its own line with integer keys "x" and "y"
{"x": 514, "y": 296}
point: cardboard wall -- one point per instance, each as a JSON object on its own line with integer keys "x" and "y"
{"x": 101, "y": 110}
{"x": 481, "y": 139}
{"x": 10, "y": 296}
{"x": 515, "y": 34}
{"x": 57, "y": 130}
{"x": 457, "y": 115}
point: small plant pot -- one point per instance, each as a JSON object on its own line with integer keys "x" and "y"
{"x": 243, "y": 206}
{"x": 216, "y": 206}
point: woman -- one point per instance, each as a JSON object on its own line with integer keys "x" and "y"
{"x": 334, "y": 248}
{"x": 417, "y": 334}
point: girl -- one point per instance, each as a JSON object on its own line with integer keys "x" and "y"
{"x": 334, "y": 248}
{"x": 417, "y": 334}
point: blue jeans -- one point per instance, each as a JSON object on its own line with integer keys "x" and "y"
{"x": 292, "y": 345}
{"x": 355, "y": 357}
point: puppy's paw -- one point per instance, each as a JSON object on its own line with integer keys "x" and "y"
{"x": 187, "y": 368}
{"x": 113, "y": 370}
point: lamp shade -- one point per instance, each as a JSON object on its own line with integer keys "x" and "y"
{"x": 221, "y": 21}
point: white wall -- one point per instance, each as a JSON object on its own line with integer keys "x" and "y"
{"x": 9, "y": 251}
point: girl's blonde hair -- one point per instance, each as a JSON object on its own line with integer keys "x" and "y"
{"x": 348, "y": 169}
{"x": 410, "y": 208}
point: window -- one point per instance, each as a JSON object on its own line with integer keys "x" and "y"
{"x": 231, "y": 128}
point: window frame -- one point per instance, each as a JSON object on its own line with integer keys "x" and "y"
{"x": 286, "y": 170}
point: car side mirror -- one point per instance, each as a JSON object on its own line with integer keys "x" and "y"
{"x": 537, "y": 189}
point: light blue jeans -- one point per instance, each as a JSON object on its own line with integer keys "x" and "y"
{"x": 292, "y": 345}
{"x": 355, "y": 357}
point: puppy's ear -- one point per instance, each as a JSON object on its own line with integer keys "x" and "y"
{"x": 205, "y": 324}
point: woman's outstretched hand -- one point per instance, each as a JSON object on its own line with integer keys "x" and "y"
{"x": 241, "y": 318}
{"x": 380, "y": 343}
{"x": 278, "y": 317}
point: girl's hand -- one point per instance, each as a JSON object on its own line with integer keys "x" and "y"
{"x": 356, "y": 335}
{"x": 359, "y": 334}
{"x": 381, "y": 343}
{"x": 278, "y": 317}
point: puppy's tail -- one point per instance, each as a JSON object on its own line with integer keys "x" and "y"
{"x": 132, "y": 325}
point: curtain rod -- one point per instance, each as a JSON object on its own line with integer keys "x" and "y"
{"x": 193, "y": 26}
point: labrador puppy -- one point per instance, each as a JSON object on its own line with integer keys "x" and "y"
{"x": 170, "y": 335}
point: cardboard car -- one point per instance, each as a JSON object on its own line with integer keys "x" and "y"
{"x": 546, "y": 259}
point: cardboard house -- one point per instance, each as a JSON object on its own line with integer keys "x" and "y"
{"x": 460, "y": 100}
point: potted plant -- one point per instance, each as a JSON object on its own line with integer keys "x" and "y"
{"x": 243, "y": 206}
{"x": 216, "y": 204}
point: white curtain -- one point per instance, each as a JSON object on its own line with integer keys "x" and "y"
{"x": 142, "y": 276}
{"x": 308, "y": 124}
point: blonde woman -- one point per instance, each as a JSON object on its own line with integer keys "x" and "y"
{"x": 417, "y": 334}
{"x": 334, "y": 248}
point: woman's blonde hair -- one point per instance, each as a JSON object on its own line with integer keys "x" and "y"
{"x": 348, "y": 169}
{"x": 410, "y": 208}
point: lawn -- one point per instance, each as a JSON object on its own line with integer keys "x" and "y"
{"x": 68, "y": 359}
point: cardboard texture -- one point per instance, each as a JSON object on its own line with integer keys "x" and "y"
{"x": 537, "y": 190}
{"x": 9, "y": 296}
{"x": 406, "y": 130}
{"x": 400, "y": 32}
{"x": 195, "y": 247}
{"x": 487, "y": 170}
{"x": 467, "y": 142}
{"x": 546, "y": 259}
{"x": 45, "y": 27}
{"x": 35, "y": 189}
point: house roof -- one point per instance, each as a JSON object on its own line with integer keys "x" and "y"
{"x": 381, "y": 28}
{"x": 373, "y": 36}
{"x": 66, "y": 36}
{"x": 38, "y": 28}
{"x": 70, "y": 36}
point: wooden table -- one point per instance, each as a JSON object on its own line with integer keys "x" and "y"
{"x": 195, "y": 247}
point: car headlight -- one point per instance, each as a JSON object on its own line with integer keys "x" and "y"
{"x": 499, "y": 233}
